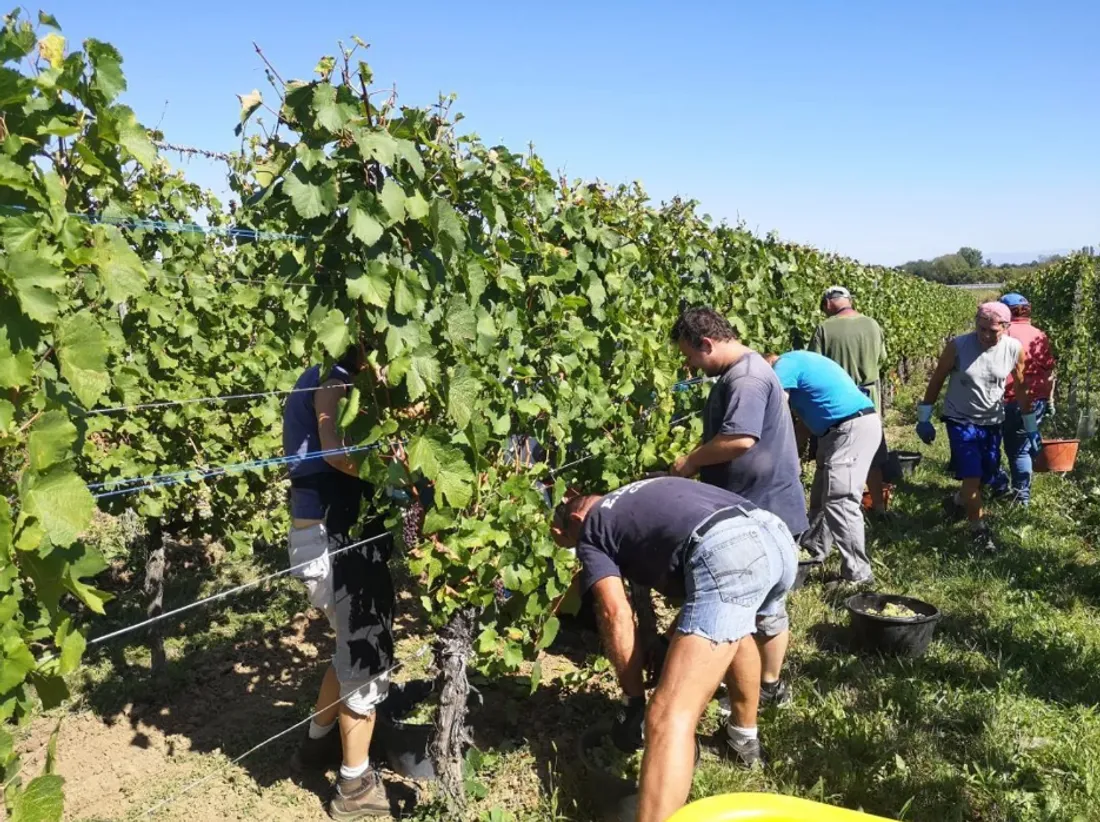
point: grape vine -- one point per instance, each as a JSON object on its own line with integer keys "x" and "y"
{"x": 496, "y": 299}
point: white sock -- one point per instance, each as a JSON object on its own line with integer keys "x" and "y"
{"x": 740, "y": 734}
{"x": 977, "y": 525}
{"x": 354, "y": 772}
{"x": 958, "y": 498}
{"x": 318, "y": 731}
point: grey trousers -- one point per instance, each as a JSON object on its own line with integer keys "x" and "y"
{"x": 844, "y": 456}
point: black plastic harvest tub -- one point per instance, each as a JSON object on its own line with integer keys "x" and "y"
{"x": 899, "y": 636}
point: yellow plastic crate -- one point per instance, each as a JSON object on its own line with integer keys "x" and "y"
{"x": 766, "y": 807}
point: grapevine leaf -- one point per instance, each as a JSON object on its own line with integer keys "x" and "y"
{"x": 513, "y": 654}
{"x": 461, "y": 321}
{"x": 310, "y": 199}
{"x": 7, "y": 416}
{"x": 536, "y": 675}
{"x": 82, "y": 351}
{"x": 41, "y": 801}
{"x": 120, "y": 269}
{"x": 60, "y": 502}
{"x": 72, "y": 646}
{"x": 330, "y": 114}
{"x": 50, "y": 440}
{"x": 35, "y": 282}
{"x": 549, "y": 633}
{"x": 106, "y": 62}
{"x": 462, "y": 397}
{"x": 392, "y": 199}
{"x": 425, "y": 452}
{"x": 47, "y": 19}
{"x": 249, "y": 103}
{"x": 596, "y": 296}
{"x": 332, "y": 333}
{"x": 362, "y": 222}
{"x": 133, "y": 137}
{"x": 446, "y": 227}
{"x": 371, "y": 287}
{"x": 15, "y": 368}
{"x": 455, "y": 479}
{"x": 416, "y": 206}
{"x": 18, "y": 662}
{"x": 406, "y": 150}
{"x": 52, "y": 49}
{"x": 376, "y": 145}
{"x": 351, "y": 409}
{"x": 423, "y": 372}
{"x": 50, "y": 687}
{"x": 92, "y": 597}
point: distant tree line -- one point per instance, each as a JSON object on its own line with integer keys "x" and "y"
{"x": 968, "y": 265}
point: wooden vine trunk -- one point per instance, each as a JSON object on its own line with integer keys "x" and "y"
{"x": 447, "y": 750}
{"x": 156, "y": 564}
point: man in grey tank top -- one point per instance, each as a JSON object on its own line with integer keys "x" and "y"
{"x": 978, "y": 364}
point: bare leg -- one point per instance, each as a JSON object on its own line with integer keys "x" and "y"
{"x": 692, "y": 672}
{"x": 971, "y": 498}
{"x": 355, "y": 734}
{"x": 326, "y": 699}
{"x": 875, "y": 486}
{"x": 772, "y": 651}
{"x": 743, "y": 684}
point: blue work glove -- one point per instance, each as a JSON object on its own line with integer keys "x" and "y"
{"x": 925, "y": 429}
{"x": 1031, "y": 428}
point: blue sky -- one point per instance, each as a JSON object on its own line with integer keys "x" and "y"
{"x": 883, "y": 130}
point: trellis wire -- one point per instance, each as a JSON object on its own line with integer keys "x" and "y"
{"x": 196, "y": 474}
{"x": 117, "y": 409}
{"x": 182, "y": 228}
{"x": 227, "y": 593}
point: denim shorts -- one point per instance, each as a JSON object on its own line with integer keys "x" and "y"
{"x": 737, "y": 578}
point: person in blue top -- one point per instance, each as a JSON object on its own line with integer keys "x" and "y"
{"x": 352, "y": 587}
{"x": 848, "y": 431}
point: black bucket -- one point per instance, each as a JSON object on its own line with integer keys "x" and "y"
{"x": 901, "y": 464}
{"x": 401, "y": 744}
{"x": 805, "y": 568}
{"x": 892, "y": 635}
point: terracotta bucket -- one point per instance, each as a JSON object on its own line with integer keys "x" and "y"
{"x": 1057, "y": 456}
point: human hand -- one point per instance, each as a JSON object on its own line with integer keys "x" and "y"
{"x": 682, "y": 467}
{"x": 627, "y": 731}
{"x": 655, "y": 659}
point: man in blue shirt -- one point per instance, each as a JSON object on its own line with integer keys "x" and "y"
{"x": 849, "y": 431}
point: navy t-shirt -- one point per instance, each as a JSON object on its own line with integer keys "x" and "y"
{"x": 317, "y": 490}
{"x": 640, "y": 531}
{"x": 747, "y": 400}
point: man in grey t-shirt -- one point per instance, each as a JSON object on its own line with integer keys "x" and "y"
{"x": 748, "y": 441}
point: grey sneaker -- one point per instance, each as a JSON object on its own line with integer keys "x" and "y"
{"x": 747, "y": 753}
{"x": 774, "y": 693}
{"x": 359, "y": 798}
{"x": 318, "y": 754}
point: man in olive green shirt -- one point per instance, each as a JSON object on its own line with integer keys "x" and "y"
{"x": 856, "y": 343}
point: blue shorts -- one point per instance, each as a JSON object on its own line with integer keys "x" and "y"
{"x": 737, "y": 578}
{"x": 975, "y": 450}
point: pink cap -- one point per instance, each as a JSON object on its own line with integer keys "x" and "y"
{"x": 995, "y": 311}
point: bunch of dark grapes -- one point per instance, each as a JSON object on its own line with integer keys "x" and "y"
{"x": 498, "y": 591}
{"x": 412, "y": 523}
